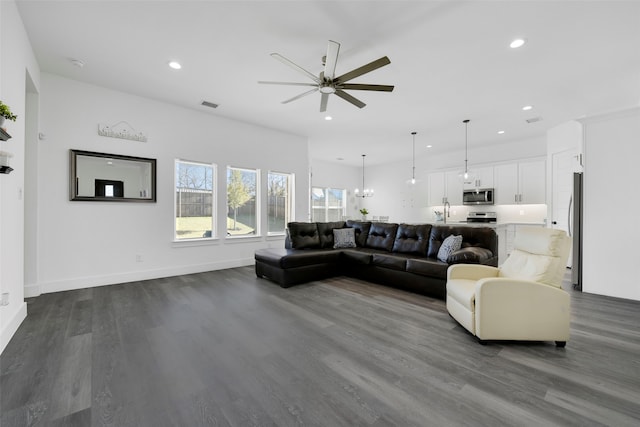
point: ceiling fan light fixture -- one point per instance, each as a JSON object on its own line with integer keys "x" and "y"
{"x": 328, "y": 89}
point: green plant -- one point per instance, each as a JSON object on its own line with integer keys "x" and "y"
{"x": 363, "y": 211}
{"x": 5, "y": 112}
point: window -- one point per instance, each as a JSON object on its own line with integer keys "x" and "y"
{"x": 242, "y": 206}
{"x": 194, "y": 200}
{"x": 328, "y": 204}
{"x": 280, "y": 204}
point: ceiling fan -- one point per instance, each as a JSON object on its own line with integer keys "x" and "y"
{"x": 327, "y": 83}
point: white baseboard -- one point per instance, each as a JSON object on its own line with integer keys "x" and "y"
{"x": 12, "y": 325}
{"x": 134, "y": 276}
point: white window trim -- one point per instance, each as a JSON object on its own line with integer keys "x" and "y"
{"x": 257, "y": 233}
{"x": 291, "y": 199}
{"x": 214, "y": 196}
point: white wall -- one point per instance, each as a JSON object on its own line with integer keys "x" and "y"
{"x": 610, "y": 233}
{"x": 17, "y": 66}
{"x": 84, "y": 244}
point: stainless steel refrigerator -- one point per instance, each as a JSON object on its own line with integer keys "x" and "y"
{"x": 575, "y": 231}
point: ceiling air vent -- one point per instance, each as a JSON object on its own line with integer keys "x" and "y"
{"x": 209, "y": 104}
{"x": 534, "y": 119}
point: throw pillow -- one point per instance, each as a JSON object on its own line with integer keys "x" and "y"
{"x": 449, "y": 245}
{"x": 344, "y": 238}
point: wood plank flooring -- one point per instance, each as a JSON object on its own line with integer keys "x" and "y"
{"x": 224, "y": 348}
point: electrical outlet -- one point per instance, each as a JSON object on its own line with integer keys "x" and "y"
{"x": 521, "y": 212}
{"x": 138, "y": 258}
{"x": 4, "y": 298}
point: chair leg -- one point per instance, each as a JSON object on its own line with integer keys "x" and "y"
{"x": 561, "y": 344}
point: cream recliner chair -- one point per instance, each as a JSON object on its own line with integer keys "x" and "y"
{"x": 523, "y": 299}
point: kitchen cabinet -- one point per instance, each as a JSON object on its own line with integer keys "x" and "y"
{"x": 483, "y": 178}
{"x": 444, "y": 187}
{"x": 520, "y": 183}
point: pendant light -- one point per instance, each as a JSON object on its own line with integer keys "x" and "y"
{"x": 366, "y": 192}
{"x": 413, "y": 170}
{"x": 465, "y": 175}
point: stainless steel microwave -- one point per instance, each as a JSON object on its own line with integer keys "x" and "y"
{"x": 478, "y": 196}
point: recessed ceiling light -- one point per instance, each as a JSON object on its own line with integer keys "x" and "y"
{"x": 517, "y": 43}
{"x": 527, "y": 107}
{"x": 339, "y": 158}
{"x": 429, "y": 146}
{"x": 500, "y": 132}
{"x": 328, "y": 118}
{"x": 175, "y": 65}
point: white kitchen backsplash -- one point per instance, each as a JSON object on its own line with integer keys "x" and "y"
{"x": 506, "y": 213}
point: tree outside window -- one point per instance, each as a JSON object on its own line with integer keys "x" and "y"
{"x": 242, "y": 218}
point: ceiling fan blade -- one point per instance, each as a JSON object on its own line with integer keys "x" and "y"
{"x": 309, "y": 92}
{"x": 355, "y": 101}
{"x": 331, "y": 60}
{"x": 287, "y": 83}
{"x": 357, "y": 86}
{"x": 363, "y": 70}
{"x": 295, "y": 66}
{"x": 323, "y": 102}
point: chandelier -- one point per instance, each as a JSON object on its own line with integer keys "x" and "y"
{"x": 366, "y": 192}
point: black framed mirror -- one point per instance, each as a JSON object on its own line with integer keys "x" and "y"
{"x": 103, "y": 177}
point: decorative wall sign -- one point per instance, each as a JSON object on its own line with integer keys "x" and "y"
{"x": 122, "y": 130}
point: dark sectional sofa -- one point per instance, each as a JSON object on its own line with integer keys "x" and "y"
{"x": 399, "y": 255}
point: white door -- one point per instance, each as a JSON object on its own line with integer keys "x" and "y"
{"x": 565, "y": 163}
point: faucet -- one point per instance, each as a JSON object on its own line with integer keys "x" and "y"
{"x": 446, "y": 212}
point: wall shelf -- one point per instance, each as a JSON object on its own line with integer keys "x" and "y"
{"x": 4, "y": 135}
{"x": 4, "y": 156}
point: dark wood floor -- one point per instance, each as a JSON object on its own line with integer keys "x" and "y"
{"x": 226, "y": 348}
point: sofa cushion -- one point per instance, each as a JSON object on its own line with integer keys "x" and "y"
{"x": 356, "y": 256}
{"x": 381, "y": 236}
{"x": 448, "y": 246}
{"x": 344, "y": 238}
{"x": 291, "y": 258}
{"x": 389, "y": 261}
{"x": 362, "y": 231}
{"x": 325, "y": 231}
{"x": 427, "y": 267}
{"x": 412, "y": 239}
{"x": 304, "y": 235}
{"x": 470, "y": 255}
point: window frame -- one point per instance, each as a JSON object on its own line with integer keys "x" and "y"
{"x": 326, "y": 207}
{"x": 289, "y": 203}
{"x": 257, "y": 229}
{"x": 214, "y": 204}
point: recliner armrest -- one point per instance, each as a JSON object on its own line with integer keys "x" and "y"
{"x": 471, "y": 271}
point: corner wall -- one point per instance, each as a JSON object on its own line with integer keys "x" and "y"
{"x": 17, "y": 66}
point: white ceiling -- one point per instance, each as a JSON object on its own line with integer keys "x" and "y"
{"x": 450, "y": 61}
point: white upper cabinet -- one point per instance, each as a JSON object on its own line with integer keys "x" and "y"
{"x": 483, "y": 178}
{"x": 532, "y": 178}
{"x": 445, "y": 187}
{"x": 520, "y": 183}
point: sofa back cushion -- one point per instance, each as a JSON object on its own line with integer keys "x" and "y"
{"x": 303, "y": 235}
{"x": 412, "y": 239}
{"x": 382, "y": 235}
{"x": 325, "y": 231}
{"x": 481, "y": 237}
{"x": 362, "y": 231}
